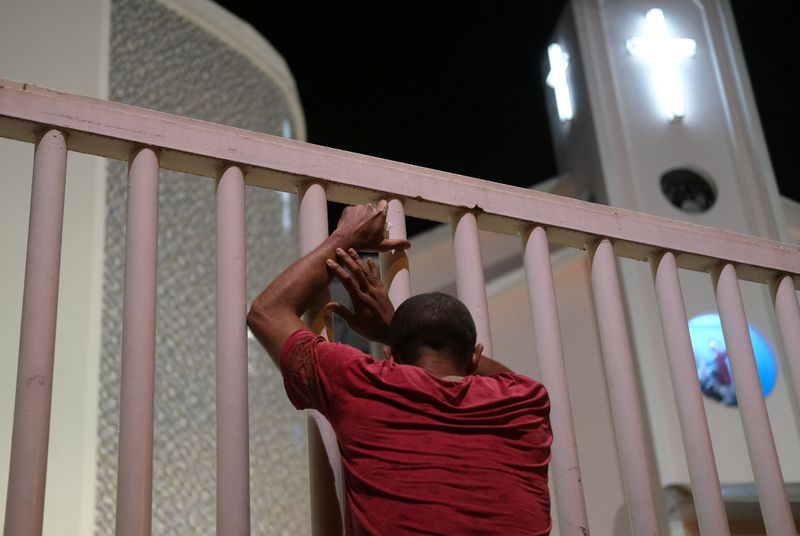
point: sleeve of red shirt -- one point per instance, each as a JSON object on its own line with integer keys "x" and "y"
{"x": 314, "y": 369}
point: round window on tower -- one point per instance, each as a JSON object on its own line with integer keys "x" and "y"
{"x": 688, "y": 190}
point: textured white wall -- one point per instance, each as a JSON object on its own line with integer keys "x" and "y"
{"x": 62, "y": 45}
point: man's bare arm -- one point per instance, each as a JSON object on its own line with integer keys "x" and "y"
{"x": 275, "y": 313}
{"x": 488, "y": 366}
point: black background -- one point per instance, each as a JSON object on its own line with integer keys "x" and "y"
{"x": 460, "y": 89}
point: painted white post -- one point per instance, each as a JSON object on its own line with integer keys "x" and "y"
{"x": 752, "y": 406}
{"x": 470, "y": 283}
{"x": 137, "y": 389}
{"x": 566, "y": 471}
{"x": 325, "y": 466}
{"x": 623, "y": 390}
{"x": 37, "y": 341}
{"x": 394, "y": 264}
{"x": 706, "y": 491}
{"x": 233, "y": 446}
{"x": 787, "y": 312}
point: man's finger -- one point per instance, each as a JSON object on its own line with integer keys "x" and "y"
{"x": 357, "y": 258}
{"x": 337, "y": 308}
{"x": 354, "y": 267}
{"x": 349, "y": 283}
{"x": 373, "y": 269}
{"x": 381, "y": 206}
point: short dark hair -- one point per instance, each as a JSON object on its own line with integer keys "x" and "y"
{"x": 434, "y": 320}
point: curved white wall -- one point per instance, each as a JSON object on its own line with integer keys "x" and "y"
{"x": 62, "y": 45}
{"x": 67, "y": 46}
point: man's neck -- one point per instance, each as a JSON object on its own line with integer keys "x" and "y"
{"x": 440, "y": 365}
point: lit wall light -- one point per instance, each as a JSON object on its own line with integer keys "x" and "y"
{"x": 557, "y": 79}
{"x": 286, "y": 128}
{"x": 286, "y": 199}
{"x": 663, "y": 54}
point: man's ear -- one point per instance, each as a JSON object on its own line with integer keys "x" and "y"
{"x": 474, "y": 359}
{"x": 387, "y": 353}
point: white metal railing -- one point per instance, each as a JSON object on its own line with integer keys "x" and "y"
{"x": 58, "y": 122}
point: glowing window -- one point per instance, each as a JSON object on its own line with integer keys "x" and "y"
{"x": 287, "y": 203}
{"x": 713, "y": 366}
{"x": 557, "y": 79}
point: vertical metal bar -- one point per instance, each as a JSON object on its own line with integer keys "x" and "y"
{"x": 470, "y": 283}
{"x": 787, "y": 312}
{"x": 325, "y": 466}
{"x": 313, "y": 219}
{"x": 626, "y": 402}
{"x": 752, "y": 407}
{"x": 394, "y": 264}
{"x": 572, "y": 518}
{"x": 706, "y": 491}
{"x": 135, "y": 473}
{"x": 233, "y": 453}
{"x": 312, "y": 231}
{"x": 31, "y": 430}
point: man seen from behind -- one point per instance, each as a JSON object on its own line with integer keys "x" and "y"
{"x": 436, "y": 439}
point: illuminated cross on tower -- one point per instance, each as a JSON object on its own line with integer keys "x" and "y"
{"x": 557, "y": 79}
{"x": 663, "y": 53}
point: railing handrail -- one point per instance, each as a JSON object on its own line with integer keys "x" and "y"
{"x": 114, "y": 130}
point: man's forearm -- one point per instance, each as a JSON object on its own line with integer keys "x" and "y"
{"x": 280, "y": 305}
{"x": 296, "y": 288}
{"x": 488, "y": 366}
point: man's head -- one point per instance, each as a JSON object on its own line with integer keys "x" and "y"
{"x": 432, "y": 322}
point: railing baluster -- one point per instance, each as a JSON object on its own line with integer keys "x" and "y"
{"x": 470, "y": 283}
{"x": 752, "y": 406}
{"x": 312, "y": 231}
{"x": 706, "y": 491}
{"x": 34, "y": 389}
{"x": 135, "y": 469}
{"x": 233, "y": 458}
{"x": 566, "y": 471}
{"x": 394, "y": 264}
{"x": 787, "y": 312}
{"x": 626, "y": 402}
{"x": 325, "y": 465}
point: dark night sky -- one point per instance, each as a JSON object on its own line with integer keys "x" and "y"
{"x": 459, "y": 90}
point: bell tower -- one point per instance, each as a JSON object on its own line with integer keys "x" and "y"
{"x": 651, "y": 109}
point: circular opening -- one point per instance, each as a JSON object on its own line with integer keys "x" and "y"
{"x": 713, "y": 363}
{"x": 688, "y": 190}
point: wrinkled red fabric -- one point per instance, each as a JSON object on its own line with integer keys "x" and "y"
{"x": 422, "y": 455}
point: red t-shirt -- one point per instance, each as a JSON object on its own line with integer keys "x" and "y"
{"x": 423, "y": 455}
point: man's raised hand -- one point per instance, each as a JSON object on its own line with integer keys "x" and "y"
{"x": 363, "y": 228}
{"x": 372, "y": 309}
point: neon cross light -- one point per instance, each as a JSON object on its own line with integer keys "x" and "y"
{"x": 557, "y": 79}
{"x": 663, "y": 53}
